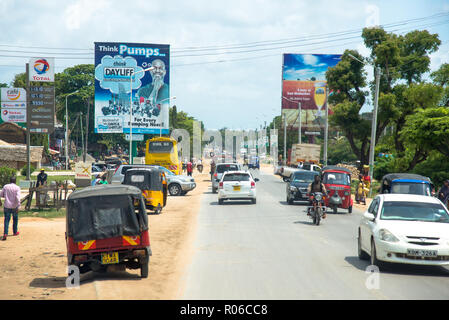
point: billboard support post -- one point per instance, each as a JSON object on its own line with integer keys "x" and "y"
{"x": 285, "y": 139}
{"x": 326, "y": 128}
{"x": 299, "y": 124}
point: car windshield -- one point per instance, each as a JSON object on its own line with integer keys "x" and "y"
{"x": 227, "y": 167}
{"x": 160, "y": 147}
{"x": 166, "y": 171}
{"x": 411, "y": 188}
{"x": 304, "y": 176}
{"x": 336, "y": 178}
{"x": 414, "y": 211}
{"x": 236, "y": 177}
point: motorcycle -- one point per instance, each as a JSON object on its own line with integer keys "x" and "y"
{"x": 318, "y": 207}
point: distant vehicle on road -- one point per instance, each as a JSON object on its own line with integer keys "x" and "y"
{"x": 220, "y": 169}
{"x": 119, "y": 173}
{"x": 406, "y": 183}
{"x": 163, "y": 151}
{"x": 237, "y": 185}
{"x": 254, "y": 162}
{"x": 298, "y": 184}
{"x": 410, "y": 229}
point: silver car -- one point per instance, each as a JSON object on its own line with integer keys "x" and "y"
{"x": 178, "y": 185}
{"x": 220, "y": 169}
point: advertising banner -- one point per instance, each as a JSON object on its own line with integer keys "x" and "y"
{"x": 42, "y": 70}
{"x": 119, "y": 73}
{"x": 13, "y": 105}
{"x": 304, "y": 84}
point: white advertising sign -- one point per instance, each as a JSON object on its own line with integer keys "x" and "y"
{"x": 13, "y": 95}
{"x": 83, "y": 170}
{"x": 14, "y": 115}
{"x": 42, "y": 69}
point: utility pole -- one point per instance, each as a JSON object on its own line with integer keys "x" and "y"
{"x": 326, "y": 128}
{"x": 373, "y": 130}
{"x": 87, "y": 129}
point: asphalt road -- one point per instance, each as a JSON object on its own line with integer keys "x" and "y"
{"x": 272, "y": 251}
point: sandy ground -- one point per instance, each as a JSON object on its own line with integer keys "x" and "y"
{"x": 33, "y": 265}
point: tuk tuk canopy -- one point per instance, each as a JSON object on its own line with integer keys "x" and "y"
{"x": 336, "y": 168}
{"x": 144, "y": 178}
{"x": 104, "y": 211}
{"x": 405, "y": 177}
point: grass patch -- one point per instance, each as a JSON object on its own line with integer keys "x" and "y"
{"x": 43, "y": 213}
{"x": 49, "y": 178}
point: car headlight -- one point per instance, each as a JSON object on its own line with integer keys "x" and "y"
{"x": 386, "y": 235}
{"x": 293, "y": 189}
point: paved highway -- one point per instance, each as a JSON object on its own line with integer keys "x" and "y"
{"x": 272, "y": 251}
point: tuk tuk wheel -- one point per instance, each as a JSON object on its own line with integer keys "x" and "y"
{"x": 335, "y": 210}
{"x": 144, "y": 270}
{"x": 158, "y": 209}
{"x": 350, "y": 209}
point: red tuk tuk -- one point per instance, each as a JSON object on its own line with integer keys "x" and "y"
{"x": 337, "y": 181}
{"x": 107, "y": 225}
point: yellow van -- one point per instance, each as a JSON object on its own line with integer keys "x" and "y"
{"x": 163, "y": 151}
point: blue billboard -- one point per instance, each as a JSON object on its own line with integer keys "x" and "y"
{"x": 120, "y": 76}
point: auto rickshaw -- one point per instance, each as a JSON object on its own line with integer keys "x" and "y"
{"x": 153, "y": 184}
{"x": 104, "y": 228}
{"x": 406, "y": 183}
{"x": 337, "y": 181}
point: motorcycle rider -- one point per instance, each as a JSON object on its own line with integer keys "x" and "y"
{"x": 316, "y": 186}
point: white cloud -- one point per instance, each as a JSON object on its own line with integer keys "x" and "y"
{"x": 82, "y": 11}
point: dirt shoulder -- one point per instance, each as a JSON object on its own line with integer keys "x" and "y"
{"x": 33, "y": 265}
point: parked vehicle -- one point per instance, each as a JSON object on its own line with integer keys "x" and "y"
{"x": 178, "y": 185}
{"x": 318, "y": 208}
{"x": 286, "y": 172}
{"x": 406, "y": 183}
{"x": 337, "y": 181}
{"x": 119, "y": 173}
{"x": 107, "y": 225}
{"x": 153, "y": 184}
{"x": 237, "y": 185}
{"x": 400, "y": 228}
{"x": 298, "y": 184}
{"x": 220, "y": 169}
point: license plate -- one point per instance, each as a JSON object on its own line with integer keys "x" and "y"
{"x": 422, "y": 253}
{"x": 236, "y": 188}
{"x": 109, "y": 258}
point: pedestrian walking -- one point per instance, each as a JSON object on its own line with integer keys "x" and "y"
{"x": 11, "y": 193}
{"x": 189, "y": 168}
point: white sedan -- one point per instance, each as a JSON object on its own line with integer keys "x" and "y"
{"x": 402, "y": 228}
{"x": 237, "y": 185}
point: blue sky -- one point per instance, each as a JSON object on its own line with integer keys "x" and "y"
{"x": 308, "y": 66}
{"x": 222, "y": 69}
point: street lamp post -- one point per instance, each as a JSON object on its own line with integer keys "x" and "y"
{"x": 373, "y": 123}
{"x": 131, "y": 112}
{"x": 160, "y": 129}
{"x": 67, "y": 131}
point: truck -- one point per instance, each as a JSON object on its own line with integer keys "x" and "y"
{"x": 305, "y": 153}
{"x": 308, "y": 154}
